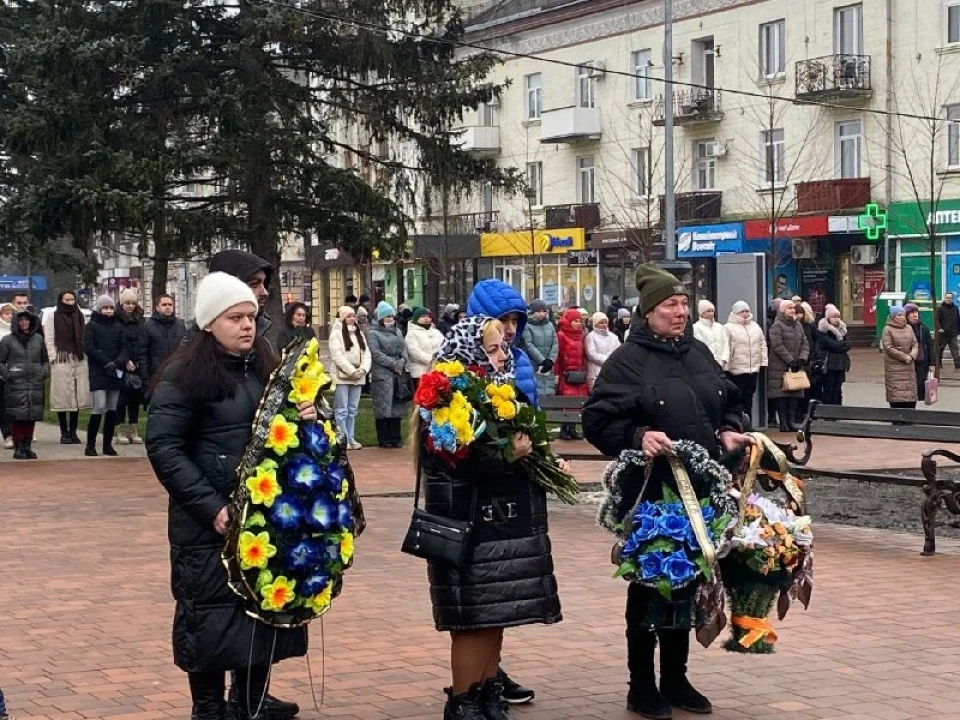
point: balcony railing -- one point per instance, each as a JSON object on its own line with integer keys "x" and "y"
{"x": 482, "y": 140}
{"x": 700, "y": 205}
{"x": 585, "y": 215}
{"x": 691, "y": 107}
{"x": 831, "y": 195}
{"x": 465, "y": 224}
{"x": 834, "y": 76}
{"x": 570, "y": 125}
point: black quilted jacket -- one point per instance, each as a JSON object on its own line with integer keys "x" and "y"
{"x": 194, "y": 449}
{"x": 508, "y": 580}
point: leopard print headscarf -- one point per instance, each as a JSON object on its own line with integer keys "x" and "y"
{"x": 464, "y": 342}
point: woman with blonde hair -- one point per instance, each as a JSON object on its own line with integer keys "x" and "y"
{"x": 351, "y": 366}
{"x": 507, "y": 579}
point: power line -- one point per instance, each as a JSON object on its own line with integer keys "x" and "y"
{"x": 386, "y": 30}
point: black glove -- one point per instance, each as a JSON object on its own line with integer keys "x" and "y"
{"x": 796, "y": 366}
{"x": 546, "y": 366}
{"x": 110, "y": 367}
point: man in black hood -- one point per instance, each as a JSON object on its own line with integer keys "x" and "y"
{"x": 254, "y": 271}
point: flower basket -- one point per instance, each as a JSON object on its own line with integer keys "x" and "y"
{"x": 295, "y": 511}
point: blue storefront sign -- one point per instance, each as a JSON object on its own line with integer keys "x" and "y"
{"x": 20, "y": 282}
{"x": 700, "y": 241}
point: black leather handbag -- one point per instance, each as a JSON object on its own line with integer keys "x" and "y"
{"x": 402, "y": 387}
{"x": 436, "y": 538}
{"x": 575, "y": 377}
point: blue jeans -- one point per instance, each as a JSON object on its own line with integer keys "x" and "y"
{"x": 346, "y": 401}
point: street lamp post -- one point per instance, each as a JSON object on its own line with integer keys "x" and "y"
{"x": 669, "y": 218}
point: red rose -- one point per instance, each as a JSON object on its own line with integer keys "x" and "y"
{"x": 478, "y": 371}
{"x": 432, "y": 389}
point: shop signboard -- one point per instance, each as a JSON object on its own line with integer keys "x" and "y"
{"x": 709, "y": 240}
{"x": 583, "y": 258}
{"x": 912, "y": 219}
{"x": 540, "y": 242}
{"x": 788, "y": 227}
{"x": 22, "y": 282}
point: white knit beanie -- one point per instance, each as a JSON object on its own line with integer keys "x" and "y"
{"x": 217, "y": 293}
{"x": 703, "y": 306}
{"x": 739, "y": 306}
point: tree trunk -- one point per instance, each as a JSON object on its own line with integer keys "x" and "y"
{"x": 161, "y": 257}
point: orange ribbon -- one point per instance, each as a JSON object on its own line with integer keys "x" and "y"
{"x": 759, "y": 629}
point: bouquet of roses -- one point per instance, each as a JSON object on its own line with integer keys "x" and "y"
{"x": 295, "y": 511}
{"x": 769, "y": 549}
{"x": 462, "y": 408}
{"x": 660, "y": 547}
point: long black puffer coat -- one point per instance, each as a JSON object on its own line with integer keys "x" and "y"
{"x": 508, "y": 579}
{"x": 660, "y": 384}
{"x": 136, "y": 340}
{"x": 23, "y": 368}
{"x": 194, "y": 448}
{"x": 103, "y": 342}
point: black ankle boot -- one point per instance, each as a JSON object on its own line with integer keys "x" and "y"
{"x": 491, "y": 700}
{"x": 18, "y": 451}
{"x": 206, "y": 691}
{"x": 93, "y": 427}
{"x": 28, "y": 449}
{"x": 463, "y": 707}
{"x": 109, "y": 425}
{"x": 674, "y": 685}
{"x": 644, "y": 698}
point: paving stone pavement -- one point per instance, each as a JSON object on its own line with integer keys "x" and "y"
{"x": 85, "y": 615}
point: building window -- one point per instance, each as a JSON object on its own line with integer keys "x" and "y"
{"x": 953, "y": 21}
{"x": 774, "y": 158}
{"x": 773, "y": 58}
{"x": 535, "y": 182}
{"x": 585, "y": 178}
{"x": 486, "y": 199}
{"x": 953, "y": 137}
{"x": 586, "y": 86}
{"x": 705, "y": 172}
{"x": 641, "y": 69}
{"x": 534, "y": 88}
{"x": 488, "y": 115}
{"x": 848, "y": 30}
{"x": 849, "y": 148}
{"x": 641, "y": 171}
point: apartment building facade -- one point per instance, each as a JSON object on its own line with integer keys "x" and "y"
{"x": 789, "y": 114}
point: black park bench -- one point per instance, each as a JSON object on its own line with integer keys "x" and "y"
{"x": 563, "y": 410}
{"x": 887, "y": 424}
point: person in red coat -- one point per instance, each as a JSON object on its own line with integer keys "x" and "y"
{"x": 571, "y": 364}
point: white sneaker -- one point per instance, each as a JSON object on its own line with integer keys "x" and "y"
{"x": 351, "y": 446}
{"x": 8, "y": 444}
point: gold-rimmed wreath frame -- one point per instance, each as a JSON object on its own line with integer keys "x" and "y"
{"x": 272, "y": 403}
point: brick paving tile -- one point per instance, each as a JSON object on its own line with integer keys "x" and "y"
{"x": 85, "y": 615}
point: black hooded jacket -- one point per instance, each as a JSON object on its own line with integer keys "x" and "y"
{"x": 23, "y": 367}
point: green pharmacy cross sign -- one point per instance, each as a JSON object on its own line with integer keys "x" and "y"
{"x": 873, "y": 221}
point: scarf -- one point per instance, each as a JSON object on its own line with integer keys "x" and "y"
{"x": 464, "y": 343}
{"x": 68, "y": 332}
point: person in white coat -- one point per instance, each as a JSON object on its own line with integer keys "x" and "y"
{"x": 748, "y": 351}
{"x": 351, "y": 364}
{"x": 69, "y": 384}
{"x": 710, "y": 332}
{"x": 423, "y": 341}
{"x": 599, "y": 345}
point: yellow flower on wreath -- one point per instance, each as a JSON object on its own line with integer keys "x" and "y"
{"x": 502, "y": 392}
{"x": 255, "y": 550}
{"x": 282, "y": 435}
{"x": 507, "y": 410}
{"x": 304, "y": 388}
{"x": 451, "y": 369}
{"x": 344, "y": 490}
{"x": 321, "y": 601}
{"x": 263, "y": 485}
{"x": 331, "y": 433}
{"x": 346, "y": 546}
{"x": 278, "y": 594}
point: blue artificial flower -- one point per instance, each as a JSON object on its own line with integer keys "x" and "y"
{"x": 444, "y": 437}
{"x": 334, "y": 477}
{"x": 345, "y": 515}
{"x": 286, "y": 512}
{"x": 645, "y": 529}
{"x": 691, "y": 538}
{"x": 460, "y": 382}
{"x": 303, "y": 473}
{"x": 708, "y": 513}
{"x": 316, "y": 439}
{"x": 323, "y": 514}
{"x": 673, "y": 526}
{"x": 304, "y": 555}
{"x": 315, "y": 584}
{"x": 651, "y": 565}
{"x": 630, "y": 547}
{"x": 425, "y": 414}
{"x": 647, "y": 509}
{"x": 671, "y": 508}
{"x": 677, "y": 568}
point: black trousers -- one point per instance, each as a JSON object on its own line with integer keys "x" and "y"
{"x": 389, "y": 432}
{"x": 642, "y": 640}
{"x": 4, "y": 422}
{"x": 747, "y": 385}
{"x": 128, "y": 407}
{"x": 833, "y": 387}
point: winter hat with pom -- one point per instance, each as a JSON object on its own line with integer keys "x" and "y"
{"x": 217, "y": 293}
{"x": 346, "y": 311}
{"x": 831, "y": 311}
{"x": 129, "y": 295}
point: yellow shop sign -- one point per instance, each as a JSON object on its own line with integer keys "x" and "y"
{"x": 544, "y": 242}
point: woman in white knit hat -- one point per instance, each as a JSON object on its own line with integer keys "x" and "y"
{"x": 709, "y": 331}
{"x": 748, "y": 351}
{"x": 200, "y": 416}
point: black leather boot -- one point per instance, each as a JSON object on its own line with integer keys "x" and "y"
{"x": 19, "y": 453}
{"x": 674, "y": 685}
{"x": 783, "y": 412}
{"x": 644, "y": 698}
{"x": 109, "y": 425}
{"x": 93, "y": 427}
{"x": 206, "y": 691}
{"x": 463, "y": 707}
{"x": 491, "y": 700}
{"x": 28, "y": 449}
